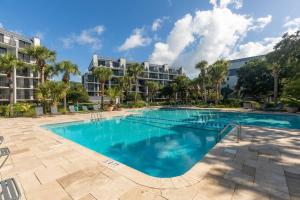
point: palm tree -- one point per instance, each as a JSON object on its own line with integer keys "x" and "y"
{"x": 113, "y": 93}
{"x": 153, "y": 87}
{"x": 67, "y": 68}
{"x": 135, "y": 70}
{"x": 275, "y": 67}
{"x": 102, "y": 74}
{"x": 202, "y": 66}
{"x": 182, "y": 83}
{"x": 42, "y": 56}
{"x": 50, "y": 71}
{"x": 125, "y": 84}
{"x": 218, "y": 71}
{"x": 7, "y": 64}
{"x": 51, "y": 91}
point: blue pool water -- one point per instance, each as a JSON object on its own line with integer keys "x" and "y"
{"x": 162, "y": 143}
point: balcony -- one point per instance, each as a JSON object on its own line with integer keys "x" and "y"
{"x": 23, "y": 94}
{"x": 10, "y": 41}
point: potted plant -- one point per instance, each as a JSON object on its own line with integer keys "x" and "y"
{"x": 113, "y": 93}
{"x": 291, "y": 104}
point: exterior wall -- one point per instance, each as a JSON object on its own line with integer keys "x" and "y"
{"x": 231, "y": 79}
{"x": 162, "y": 74}
{"x": 24, "y": 80}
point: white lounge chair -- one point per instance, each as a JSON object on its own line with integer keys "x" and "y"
{"x": 85, "y": 108}
{"x": 9, "y": 189}
{"x": 72, "y": 109}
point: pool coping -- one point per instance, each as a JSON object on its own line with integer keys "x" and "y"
{"x": 189, "y": 178}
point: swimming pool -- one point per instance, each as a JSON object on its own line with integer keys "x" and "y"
{"x": 162, "y": 143}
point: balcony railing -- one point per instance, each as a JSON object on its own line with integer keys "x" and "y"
{"x": 10, "y": 42}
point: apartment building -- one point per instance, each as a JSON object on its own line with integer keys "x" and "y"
{"x": 162, "y": 74}
{"x": 24, "y": 80}
{"x": 232, "y": 78}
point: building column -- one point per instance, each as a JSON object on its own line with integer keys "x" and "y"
{"x": 15, "y": 85}
{"x": 15, "y": 74}
{"x": 147, "y": 93}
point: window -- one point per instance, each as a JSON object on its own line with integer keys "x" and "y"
{"x": 23, "y": 44}
{"x": 1, "y": 37}
{"x": 2, "y": 51}
{"x": 24, "y": 57}
{"x": 101, "y": 62}
{"x": 232, "y": 72}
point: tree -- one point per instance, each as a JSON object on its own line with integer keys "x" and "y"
{"x": 125, "y": 85}
{"x": 182, "y": 84}
{"x": 113, "y": 93}
{"x": 42, "y": 56}
{"x": 67, "y": 68}
{"x": 135, "y": 70}
{"x": 203, "y": 79}
{"x": 292, "y": 89}
{"x": 255, "y": 79}
{"x": 7, "y": 64}
{"x": 288, "y": 54}
{"x": 276, "y": 67}
{"x": 153, "y": 87}
{"x": 169, "y": 90}
{"x": 50, "y": 72}
{"x": 284, "y": 61}
{"x": 77, "y": 93}
{"x": 102, "y": 74}
{"x": 50, "y": 91}
{"x": 217, "y": 72}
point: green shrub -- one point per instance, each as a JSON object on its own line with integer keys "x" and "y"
{"x": 138, "y": 104}
{"x": 4, "y": 110}
{"x": 292, "y": 102}
{"x": 131, "y": 96}
{"x": 232, "y": 103}
{"x": 20, "y": 108}
{"x": 30, "y": 113}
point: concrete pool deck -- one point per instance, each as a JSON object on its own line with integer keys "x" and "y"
{"x": 264, "y": 165}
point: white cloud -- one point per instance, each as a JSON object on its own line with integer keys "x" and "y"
{"x": 156, "y": 24}
{"x": 261, "y": 23}
{"x": 255, "y": 48}
{"x": 1, "y": 25}
{"x": 180, "y": 37}
{"x": 86, "y": 37}
{"x": 208, "y": 35}
{"x": 292, "y": 26}
{"x": 136, "y": 39}
{"x": 225, "y": 3}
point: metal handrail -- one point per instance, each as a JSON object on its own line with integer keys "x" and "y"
{"x": 234, "y": 124}
{"x": 96, "y": 116}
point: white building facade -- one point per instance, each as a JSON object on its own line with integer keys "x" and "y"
{"x": 24, "y": 79}
{"x": 232, "y": 78}
{"x": 162, "y": 74}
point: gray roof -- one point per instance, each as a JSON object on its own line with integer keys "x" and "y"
{"x": 21, "y": 37}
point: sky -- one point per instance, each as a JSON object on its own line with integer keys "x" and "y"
{"x": 174, "y": 32}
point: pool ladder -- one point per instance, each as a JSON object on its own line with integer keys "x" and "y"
{"x": 96, "y": 116}
{"x": 232, "y": 124}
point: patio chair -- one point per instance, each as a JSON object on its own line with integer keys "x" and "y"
{"x": 39, "y": 111}
{"x": 85, "y": 108}
{"x": 96, "y": 107}
{"x": 72, "y": 109}
{"x": 4, "y": 152}
{"x": 54, "y": 110}
{"x": 9, "y": 189}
